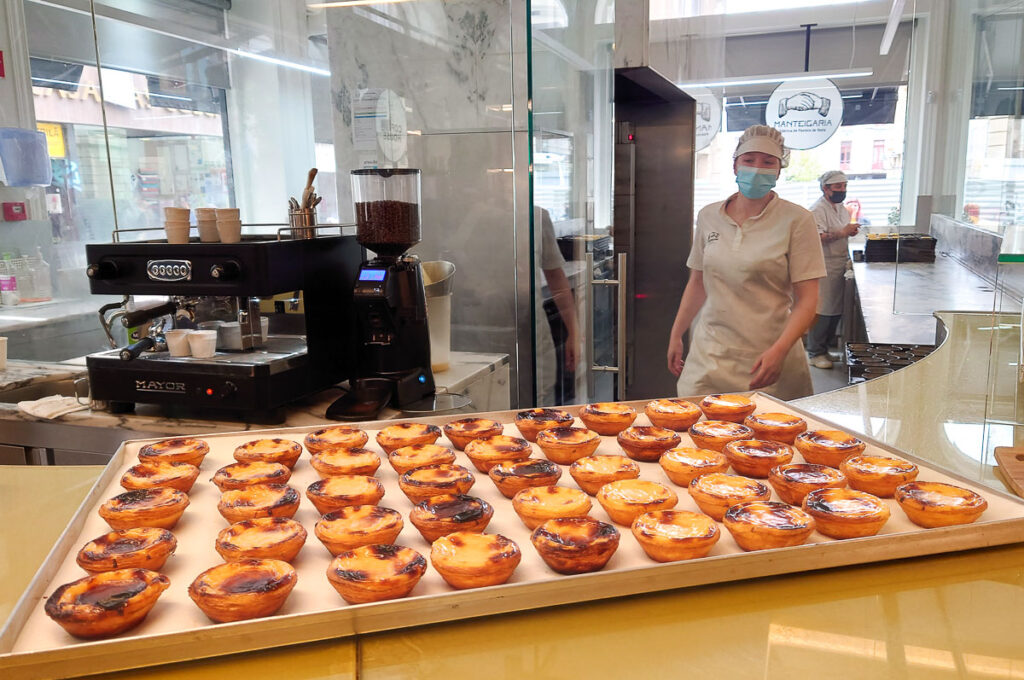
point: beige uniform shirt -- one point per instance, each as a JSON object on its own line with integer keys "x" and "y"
{"x": 831, "y": 218}
{"x": 748, "y": 277}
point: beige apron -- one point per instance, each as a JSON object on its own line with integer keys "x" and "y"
{"x": 830, "y": 288}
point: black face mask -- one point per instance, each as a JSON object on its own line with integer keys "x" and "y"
{"x": 837, "y": 196}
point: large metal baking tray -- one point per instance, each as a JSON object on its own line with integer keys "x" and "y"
{"x": 33, "y": 646}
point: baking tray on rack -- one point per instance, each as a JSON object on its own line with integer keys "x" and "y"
{"x": 31, "y": 645}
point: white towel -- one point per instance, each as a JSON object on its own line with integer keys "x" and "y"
{"x": 51, "y": 407}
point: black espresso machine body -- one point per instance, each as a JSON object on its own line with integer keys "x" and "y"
{"x": 280, "y": 370}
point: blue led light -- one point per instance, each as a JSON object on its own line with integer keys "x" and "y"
{"x": 372, "y": 274}
{"x": 423, "y": 378}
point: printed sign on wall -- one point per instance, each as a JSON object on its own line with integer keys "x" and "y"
{"x": 807, "y": 112}
{"x": 708, "y": 118}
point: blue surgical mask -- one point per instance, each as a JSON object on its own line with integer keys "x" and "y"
{"x": 755, "y": 183}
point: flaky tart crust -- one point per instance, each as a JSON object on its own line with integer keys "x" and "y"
{"x": 241, "y": 475}
{"x": 673, "y": 414}
{"x": 538, "y": 504}
{"x": 474, "y": 560}
{"x": 716, "y": 492}
{"x": 607, "y": 417}
{"x": 846, "y": 513}
{"x": 249, "y": 589}
{"x": 106, "y": 604}
{"x": 270, "y": 450}
{"x": 160, "y": 507}
{"x": 358, "y": 525}
{"x": 565, "y": 445}
{"x": 627, "y": 499}
{"x": 776, "y": 427}
{"x": 413, "y": 456}
{"x": 683, "y": 463}
{"x": 671, "y": 535}
{"x": 512, "y": 477}
{"x": 333, "y": 493}
{"x": 762, "y": 525}
{"x": 335, "y": 461}
{"x": 177, "y": 450}
{"x": 258, "y": 500}
{"x": 647, "y": 442}
{"x": 486, "y": 452}
{"x": 434, "y": 480}
{"x": 878, "y": 475}
{"x": 461, "y": 432}
{"x": 373, "y": 573}
{"x": 756, "y": 457}
{"x": 575, "y": 545}
{"x": 334, "y": 437}
{"x": 934, "y": 504}
{"x": 715, "y": 434}
{"x": 136, "y": 548}
{"x": 407, "y": 434}
{"x": 272, "y": 538}
{"x": 442, "y": 515}
{"x": 795, "y": 480}
{"x": 827, "y": 447}
{"x": 593, "y": 472}
{"x": 731, "y": 407}
{"x": 532, "y": 421}
{"x": 180, "y": 476}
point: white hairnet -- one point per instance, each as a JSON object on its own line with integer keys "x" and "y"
{"x": 832, "y": 177}
{"x": 764, "y": 139}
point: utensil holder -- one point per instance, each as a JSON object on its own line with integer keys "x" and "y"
{"x": 303, "y": 223}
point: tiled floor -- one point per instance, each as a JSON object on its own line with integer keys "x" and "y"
{"x": 826, "y": 380}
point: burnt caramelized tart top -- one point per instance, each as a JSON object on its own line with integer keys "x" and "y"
{"x": 159, "y": 507}
{"x": 139, "y": 547}
{"x": 241, "y": 475}
{"x": 176, "y": 450}
{"x": 270, "y": 450}
{"x": 180, "y": 476}
{"x": 105, "y": 604}
{"x": 407, "y": 434}
{"x": 336, "y": 436}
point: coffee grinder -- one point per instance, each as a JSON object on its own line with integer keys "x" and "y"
{"x": 392, "y": 341}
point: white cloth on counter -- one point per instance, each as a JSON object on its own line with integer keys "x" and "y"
{"x": 51, "y": 407}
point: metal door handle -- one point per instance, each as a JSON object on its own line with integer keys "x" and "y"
{"x": 620, "y": 331}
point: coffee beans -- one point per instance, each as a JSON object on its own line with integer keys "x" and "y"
{"x": 388, "y": 227}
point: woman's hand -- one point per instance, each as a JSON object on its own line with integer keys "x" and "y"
{"x": 768, "y": 367}
{"x": 675, "y": 356}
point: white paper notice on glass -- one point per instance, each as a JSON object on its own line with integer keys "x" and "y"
{"x": 364, "y": 119}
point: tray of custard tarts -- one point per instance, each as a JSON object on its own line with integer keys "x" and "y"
{"x": 205, "y": 545}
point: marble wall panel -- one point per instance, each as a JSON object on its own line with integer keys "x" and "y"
{"x": 978, "y": 250}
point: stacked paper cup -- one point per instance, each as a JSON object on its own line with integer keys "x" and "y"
{"x": 176, "y": 224}
{"x": 229, "y": 225}
{"x": 206, "y": 220}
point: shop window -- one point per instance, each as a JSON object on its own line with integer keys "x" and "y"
{"x": 844, "y": 155}
{"x": 878, "y": 155}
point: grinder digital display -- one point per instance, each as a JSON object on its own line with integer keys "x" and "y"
{"x": 372, "y": 274}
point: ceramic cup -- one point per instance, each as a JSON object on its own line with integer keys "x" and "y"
{"x": 177, "y": 232}
{"x": 228, "y": 214}
{"x": 177, "y": 342}
{"x": 3, "y": 353}
{"x": 203, "y": 343}
{"x": 205, "y": 214}
{"x": 177, "y": 214}
{"x": 229, "y": 231}
{"x": 208, "y": 231}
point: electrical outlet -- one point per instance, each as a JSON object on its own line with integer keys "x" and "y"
{"x": 15, "y": 212}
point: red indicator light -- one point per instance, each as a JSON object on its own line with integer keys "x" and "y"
{"x": 209, "y": 391}
{"x": 630, "y": 138}
{"x": 641, "y": 296}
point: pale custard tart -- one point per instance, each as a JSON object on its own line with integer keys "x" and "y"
{"x": 160, "y": 507}
{"x": 487, "y": 452}
{"x": 593, "y": 472}
{"x": 878, "y": 475}
{"x": 335, "y": 437}
{"x": 178, "y": 450}
{"x": 716, "y": 492}
{"x": 138, "y": 548}
{"x": 407, "y": 434}
{"x": 934, "y": 504}
{"x": 248, "y": 589}
{"x": 731, "y": 407}
{"x": 258, "y": 500}
{"x": 565, "y": 445}
{"x": 106, "y": 604}
{"x": 671, "y": 535}
{"x": 647, "y": 442}
{"x": 180, "y": 476}
{"x": 420, "y": 455}
{"x": 762, "y": 525}
{"x": 271, "y": 450}
{"x": 334, "y": 493}
{"x": 715, "y": 434}
{"x": 334, "y": 462}
{"x": 512, "y": 477}
{"x": 532, "y": 421}
{"x": 538, "y": 504}
{"x": 756, "y": 457}
{"x": 372, "y": 573}
{"x": 827, "y": 447}
{"x": 672, "y": 414}
{"x": 358, "y": 525}
{"x": 627, "y": 499}
{"x": 575, "y": 545}
{"x": 241, "y": 475}
{"x": 794, "y": 481}
{"x": 846, "y": 513}
{"x": 462, "y": 432}
{"x": 683, "y": 463}
{"x": 776, "y": 427}
{"x": 421, "y": 483}
{"x": 607, "y": 417}
{"x": 442, "y": 515}
{"x": 474, "y": 560}
{"x": 271, "y": 538}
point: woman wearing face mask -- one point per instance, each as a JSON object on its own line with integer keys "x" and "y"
{"x": 754, "y": 269}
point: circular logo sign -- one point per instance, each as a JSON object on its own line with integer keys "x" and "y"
{"x": 807, "y": 112}
{"x": 708, "y": 116}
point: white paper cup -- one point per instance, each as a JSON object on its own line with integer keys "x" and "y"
{"x": 264, "y": 327}
{"x": 203, "y": 343}
{"x": 229, "y": 231}
{"x": 177, "y": 214}
{"x": 177, "y": 232}
{"x": 228, "y": 214}
{"x": 177, "y": 342}
{"x": 3, "y": 353}
{"x": 203, "y": 214}
{"x": 208, "y": 231}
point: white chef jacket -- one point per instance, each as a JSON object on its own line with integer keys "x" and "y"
{"x": 748, "y": 277}
{"x": 831, "y": 218}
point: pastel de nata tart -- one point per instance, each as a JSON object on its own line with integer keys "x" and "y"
{"x": 846, "y": 513}
{"x": 795, "y": 480}
{"x": 512, "y": 477}
{"x": 241, "y": 475}
{"x": 532, "y": 421}
{"x": 358, "y": 525}
{"x": 334, "y": 493}
{"x": 575, "y": 545}
{"x": 258, "y": 500}
{"x": 442, "y": 515}
{"x": 473, "y": 560}
{"x": 178, "y": 450}
{"x": 683, "y": 463}
{"x": 270, "y": 538}
{"x": 462, "y": 432}
{"x": 487, "y": 452}
{"x": 762, "y": 525}
{"x": 716, "y": 492}
{"x": 538, "y": 504}
{"x": 372, "y": 573}
{"x": 564, "y": 445}
{"x": 672, "y": 414}
{"x": 420, "y": 455}
{"x": 827, "y": 447}
{"x": 627, "y": 499}
{"x": 607, "y": 417}
{"x": 160, "y": 507}
{"x": 271, "y": 450}
{"x": 339, "y": 461}
{"x": 731, "y": 407}
{"x": 247, "y": 589}
{"x": 335, "y": 437}
{"x": 878, "y": 475}
{"x": 593, "y": 472}
{"x": 138, "y": 548}
{"x": 407, "y": 434}
{"x": 715, "y": 434}
{"x": 180, "y": 476}
{"x": 105, "y": 604}
{"x": 757, "y": 457}
{"x": 776, "y": 427}
{"x": 646, "y": 442}
{"x": 670, "y": 535}
{"x": 421, "y": 483}
{"x": 934, "y": 504}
